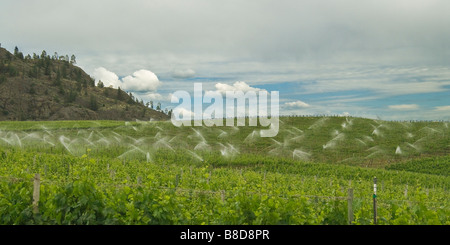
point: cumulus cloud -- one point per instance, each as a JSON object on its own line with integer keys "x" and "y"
{"x": 298, "y": 104}
{"x": 442, "y": 108}
{"x": 142, "y": 80}
{"x": 153, "y": 96}
{"x": 107, "y": 77}
{"x": 188, "y": 73}
{"x": 237, "y": 86}
{"x": 185, "y": 113}
{"x": 404, "y": 107}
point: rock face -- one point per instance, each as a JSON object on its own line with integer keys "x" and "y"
{"x": 53, "y": 89}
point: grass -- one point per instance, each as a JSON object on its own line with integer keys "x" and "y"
{"x": 431, "y": 165}
{"x": 226, "y": 175}
{"x": 53, "y": 125}
{"x": 335, "y": 140}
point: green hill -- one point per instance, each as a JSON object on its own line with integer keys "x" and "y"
{"x": 53, "y": 88}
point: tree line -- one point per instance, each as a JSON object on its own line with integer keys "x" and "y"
{"x": 44, "y": 55}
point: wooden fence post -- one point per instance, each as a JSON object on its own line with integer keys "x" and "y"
{"x": 36, "y": 192}
{"x": 350, "y": 206}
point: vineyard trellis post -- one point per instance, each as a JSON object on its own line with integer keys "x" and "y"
{"x": 350, "y": 206}
{"x": 375, "y": 200}
{"x": 36, "y": 192}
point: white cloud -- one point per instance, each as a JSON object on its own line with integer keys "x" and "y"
{"x": 142, "y": 80}
{"x": 442, "y": 108}
{"x": 404, "y": 107}
{"x": 237, "y": 86}
{"x": 153, "y": 96}
{"x": 183, "y": 111}
{"x": 188, "y": 73}
{"x": 107, "y": 77}
{"x": 298, "y": 104}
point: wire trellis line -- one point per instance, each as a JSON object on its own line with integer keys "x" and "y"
{"x": 223, "y": 193}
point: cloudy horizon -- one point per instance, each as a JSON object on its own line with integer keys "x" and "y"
{"x": 383, "y": 59}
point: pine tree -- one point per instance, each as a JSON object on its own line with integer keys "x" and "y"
{"x": 47, "y": 67}
{"x": 58, "y": 78}
{"x": 72, "y": 59}
{"x": 119, "y": 94}
{"x": 18, "y": 54}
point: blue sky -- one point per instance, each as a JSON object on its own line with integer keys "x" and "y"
{"x": 377, "y": 59}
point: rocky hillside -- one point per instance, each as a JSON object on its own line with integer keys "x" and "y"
{"x": 53, "y": 88}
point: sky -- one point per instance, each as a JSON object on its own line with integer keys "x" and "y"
{"x": 386, "y": 59}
